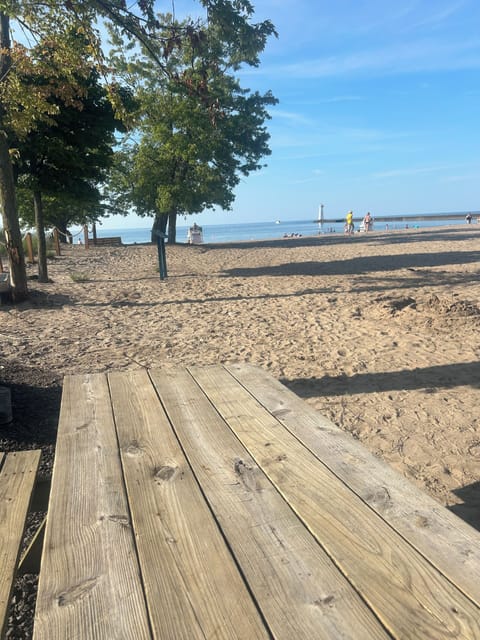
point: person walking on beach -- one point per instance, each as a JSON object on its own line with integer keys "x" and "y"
{"x": 349, "y": 226}
{"x": 468, "y": 218}
{"x": 367, "y": 221}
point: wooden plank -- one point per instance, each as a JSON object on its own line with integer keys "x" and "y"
{"x": 409, "y": 595}
{"x": 449, "y": 543}
{"x": 17, "y": 479}
{"x": 90, "y": 585}
{"x": 194, "y": 589}
{"x": 300, "y": 592}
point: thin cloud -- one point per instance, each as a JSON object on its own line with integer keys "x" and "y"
{"x": 404, "y": 57}
{"x": 410, "y": 171}
{"x": 292, "y": 116}
{"x": 302, "y": 181}
{"x": 438, "y": 18}
{"x": 462, "y": 178}
{"x": 334, "y": 99}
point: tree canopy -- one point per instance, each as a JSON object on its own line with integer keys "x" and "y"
{"x": 45, "y": 49}
{"x": 197, "y": 137}
{"x": 70, "y": 158}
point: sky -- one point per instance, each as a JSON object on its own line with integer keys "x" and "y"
{"x": 378, "y": 110}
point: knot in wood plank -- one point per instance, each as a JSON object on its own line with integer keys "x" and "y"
{"x": 325, "y": 601}
{"x": 380, "y": 498}
{"x": 77, "y": 592}
{"x": 165, "y": 473}
{"x": 133, "y": 449}
{"x": 247, "y": 474}
{"x": 123, "y": 521}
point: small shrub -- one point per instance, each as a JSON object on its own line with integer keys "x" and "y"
{"x": 80, "y": 277}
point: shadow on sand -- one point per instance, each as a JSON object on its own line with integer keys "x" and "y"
{"x": 428, "y": 378}
{"x": 469, "y": 509}
{"x": 359, "y": 265}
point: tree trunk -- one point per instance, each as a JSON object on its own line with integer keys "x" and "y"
{"x": 42, "y": 244}
{"x": 159, "y": 224}
{"x": 11, "y": 226}
{"x": 64, "y": 234}
{"x": 172, "y": 228}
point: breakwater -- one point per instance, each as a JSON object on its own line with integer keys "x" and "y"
{"x": 432, "y": 217}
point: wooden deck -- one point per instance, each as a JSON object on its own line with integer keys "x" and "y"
{"x": 214, "y": 503}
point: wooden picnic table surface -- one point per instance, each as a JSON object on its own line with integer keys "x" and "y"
{"x": 212, "y": 502}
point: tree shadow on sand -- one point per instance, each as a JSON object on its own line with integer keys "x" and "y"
{"x": 358, "y": 265}
{"x": 43, "y": 299}
{"x": 428, "y": 378}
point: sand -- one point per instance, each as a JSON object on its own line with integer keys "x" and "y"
{"x": 379, "y": 332}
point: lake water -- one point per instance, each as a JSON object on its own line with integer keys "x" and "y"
{"x": 265, "y": 230}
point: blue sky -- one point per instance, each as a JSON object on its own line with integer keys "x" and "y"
{"x": 378, "y": 110}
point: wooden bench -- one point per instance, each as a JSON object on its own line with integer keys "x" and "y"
{"x": 17, "y": 479}
{"x": 114, "y": 241}
{"x": 211, "y": 502}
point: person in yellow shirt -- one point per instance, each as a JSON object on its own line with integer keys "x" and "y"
{"x": 349, "y": 226}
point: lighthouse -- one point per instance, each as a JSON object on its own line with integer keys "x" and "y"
{"x": 320, "y": 214}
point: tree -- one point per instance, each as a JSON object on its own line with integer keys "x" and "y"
{"x": 54, "y": 63}
{"x": 69, "y": 157}
{"x": 54, "y": 22}
{"x": 63, "y": 210}
{"x": 11, "y": 227}
{"x": 199, "y": 136}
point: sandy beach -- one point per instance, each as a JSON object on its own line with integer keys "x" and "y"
{"x": 379, "y": 332}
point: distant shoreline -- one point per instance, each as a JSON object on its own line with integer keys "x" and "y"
{"x": 407, "y": 217}
{"x": 319, "y": 236}
{"x": 235, "y": 232}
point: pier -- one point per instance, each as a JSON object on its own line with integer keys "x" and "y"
{"x": 407, "y": 218}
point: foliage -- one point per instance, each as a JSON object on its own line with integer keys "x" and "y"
{"x": 62, "y": 210}
{"x": 56, "y": 26}
{"x": 45, "y": 50}
{"x": 54, "y": 65}
{"x": 68, "y": 159}
{"x": 199, "y": 131}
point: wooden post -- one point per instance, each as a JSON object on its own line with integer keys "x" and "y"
{"x": 29, "y": 243}
{"x": 1, "y": 265}
{"x": 94, "y": 233}
{"x": 85, "y": 235}
{"x": 56, "y": 241}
